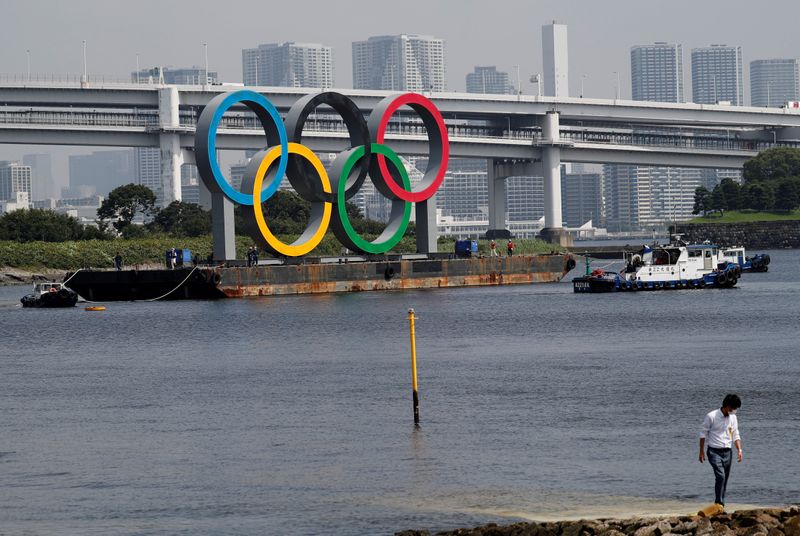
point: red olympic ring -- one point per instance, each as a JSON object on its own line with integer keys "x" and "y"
{"x": 418, "y": 103}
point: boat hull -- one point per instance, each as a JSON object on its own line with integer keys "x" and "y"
{"x": 315, "y": 276}
{"x": 62, "y": 298}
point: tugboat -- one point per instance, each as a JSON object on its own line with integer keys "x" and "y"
{"x": 674, "y": 266}
{"x": 757, "y": 263}
{"x": 50, "y": 295}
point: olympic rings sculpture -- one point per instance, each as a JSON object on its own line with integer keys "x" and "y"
{"x": 327, "y": 193}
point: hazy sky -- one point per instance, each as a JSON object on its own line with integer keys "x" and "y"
{"x": 486, "y": 32}
{"x": 497, "y": 32}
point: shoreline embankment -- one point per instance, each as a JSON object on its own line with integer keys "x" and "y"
{"x": 752, "y": 235}
{"x": 755, "y": 522}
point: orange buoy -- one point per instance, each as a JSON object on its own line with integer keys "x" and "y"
{"x": 96, "y": 308}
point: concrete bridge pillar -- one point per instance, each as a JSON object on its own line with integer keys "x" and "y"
{"x": 169, "y": 144}
{"x": 498, "y": 171}
{"x": 551, "y": 169}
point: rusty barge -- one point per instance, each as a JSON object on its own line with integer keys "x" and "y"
{"x": 321, "y": 275}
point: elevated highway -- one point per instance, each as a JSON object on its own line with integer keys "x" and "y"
{"x": 518, "y": 135}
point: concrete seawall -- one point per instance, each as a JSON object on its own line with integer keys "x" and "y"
{"x": 753, "y": 235}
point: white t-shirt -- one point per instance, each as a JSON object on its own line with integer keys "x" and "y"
{"x": 720, "y": 431}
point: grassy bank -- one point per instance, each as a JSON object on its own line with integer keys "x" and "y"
{"x": 100, "y": 253}
{"x": 745, "y": 216}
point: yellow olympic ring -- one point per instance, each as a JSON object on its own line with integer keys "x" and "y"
{"x": 311, "y": 237}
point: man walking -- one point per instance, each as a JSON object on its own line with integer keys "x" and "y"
{"x": 493, "y": 248}
{"x": 720, "y": 432}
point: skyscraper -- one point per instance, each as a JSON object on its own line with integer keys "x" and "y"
{"x": 638, "y": 197}
{"x": 717, "y": 75}
{"x": 582, "y": 198}
{"x": 14, "y": 178}
{"x": 100, "y": 172}
{"x": 773, "y": 82}
{"x": 555, "y": 58}
{"x": 288, "y": 65}
{"x": 657, "y": 72}
{"x": 489, "y": 80}
{"x": 42, "y": 183}
{"x": 400, "y": 63}
{"x": 193, "y": 76}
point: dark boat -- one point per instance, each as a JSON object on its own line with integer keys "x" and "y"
{"x": 50, "y": 295}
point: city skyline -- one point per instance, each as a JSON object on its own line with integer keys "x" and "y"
{"x": 54, "y": 44}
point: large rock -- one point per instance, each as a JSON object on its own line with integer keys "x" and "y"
{"x": 791, "y": 527}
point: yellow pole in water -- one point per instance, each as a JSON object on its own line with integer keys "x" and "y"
{"x": 415, "y": 395}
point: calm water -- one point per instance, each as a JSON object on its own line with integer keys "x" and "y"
{"x": 292, "y": 415}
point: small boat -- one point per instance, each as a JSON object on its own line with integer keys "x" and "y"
{"x": 95, "y": 308}
{"x": 757, "y": 263}
{"x": 657, "y": 267}
{"x": 50, "y": 295}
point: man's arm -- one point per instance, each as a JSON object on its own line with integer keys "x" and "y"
{"x": 702, "y": 456}
{"x": 738, "y": 444}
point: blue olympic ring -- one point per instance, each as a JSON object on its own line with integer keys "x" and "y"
{"x": 207, "y": 140}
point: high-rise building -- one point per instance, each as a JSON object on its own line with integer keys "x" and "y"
{"x": 717, "y": 75}
{"x": 147, "y": 162}
{"x": 288, "y": 65}
{"x": 399, "y": 63}
{"x": 657, "y": 72}
{"x": 42, "y": 183}
{"x": 555, "y": 59}
{"x": 193, "y": 76}
{"x": 774, "y": 82}
{"x": 14, "y": 178}
{"x": 488, "y": 80}
{"x": 581, "y": 198}
{"x": 639, "y": 197}
{"x": 100, "y": 172}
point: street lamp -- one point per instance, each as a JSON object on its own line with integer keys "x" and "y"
{"x": 85, "y": 71}
{"x": 28, "y": 58}
{"x": 769, "y": 88}
{"x": 137, "y": 67}
{"x": 616, "y": 88}
{"x": 714, "y": 78}
{"x": 205, "y": 50}
{"x": 519, "y": 83}
{"x": 583, "y": 77}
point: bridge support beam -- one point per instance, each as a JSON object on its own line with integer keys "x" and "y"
{"x": 497, "y": 173}
{"x": 553, "y": 231}
{"x": 170, "y": 144}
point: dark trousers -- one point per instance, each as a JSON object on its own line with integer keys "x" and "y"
{"x": 720, "y": 461}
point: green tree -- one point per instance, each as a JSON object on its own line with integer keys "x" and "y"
{"x": 182, "y": 219}
{"x": 124, "y": 203}
{"x": 45, "y": 225}
{"x": 731, "y": 191}
{"x": 773, "y": 164}
{"x": 702, "y": 200}
{"x": 717, "y": 201}
{"x": 758, "y": 196}
{"x": 787, "y": 194}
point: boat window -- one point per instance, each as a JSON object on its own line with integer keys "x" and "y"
{"x": 695, "y": 253}
{"x": 708, "y": 253}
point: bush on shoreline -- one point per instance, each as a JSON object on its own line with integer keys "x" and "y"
{"x": 72, "y": 255}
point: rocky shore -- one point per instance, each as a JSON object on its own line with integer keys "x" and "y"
{"x": 17, "y": 276}
{"x": 759, "y": 522}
